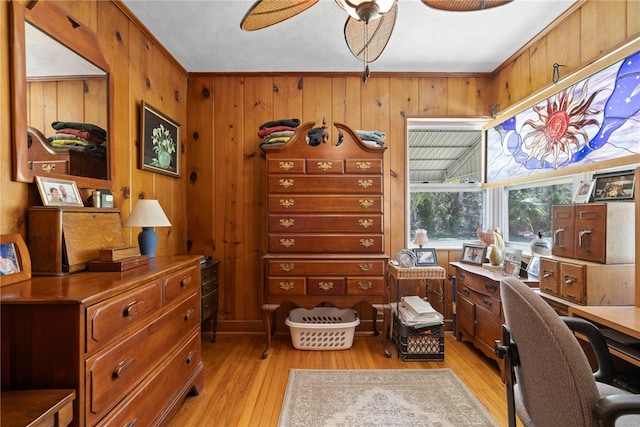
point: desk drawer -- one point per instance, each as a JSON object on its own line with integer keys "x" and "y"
{"x": 326, "y": 243}
{"x": 296, "y": 184}
{"x": 209, "y": 304}
{"x": 365, "y": 285}
{"x": 326, "y": 286}
{"x": 286, "y": 285}
{"x": 490, "y": 304}
{"x": 295, "y": 267}
{"x": 482, "y": 285}
{"x": 111, "y": 374}
{"x": 109, "y": 319}
{"x": 182, "y": 283}
{"x": 367, "y": 204}
{"x": 549, "y": 276}
{"x": 572, "y": 282}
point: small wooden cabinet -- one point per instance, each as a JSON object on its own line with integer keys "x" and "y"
{"x": 210, "y": 293}
{"x": 128, "y": 343}
{"x": 325, "y": 225}
{"x": 479, "y": 315}
{"x": 597, "y": 232}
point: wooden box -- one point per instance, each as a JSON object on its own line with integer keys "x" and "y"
{"x": 65, "y": 239}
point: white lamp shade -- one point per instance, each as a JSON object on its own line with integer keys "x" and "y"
{"x": 147, "y": 213}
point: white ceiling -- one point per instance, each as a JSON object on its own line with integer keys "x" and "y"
{"x": 205, "y": 36}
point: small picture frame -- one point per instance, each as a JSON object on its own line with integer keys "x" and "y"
{"x": 473, "y": 254}
{"x": 58, "y": 192}
{"x": 512, "y": 261}
{"x": 533, "y": 269}
{"x": 159, "y": 142}
{"x": 426, "y": 257}
{"x": 584, "y": 193}
{"x": 406, "y": 258}
{"x": 15, "y": 263}
{"x": 614, "y": 186}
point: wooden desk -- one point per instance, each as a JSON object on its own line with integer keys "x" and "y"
{"x": 623, "y": 319}
{"x": 36, "y": 408}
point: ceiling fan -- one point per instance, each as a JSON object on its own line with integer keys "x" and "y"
{"x": 369, "y": 24}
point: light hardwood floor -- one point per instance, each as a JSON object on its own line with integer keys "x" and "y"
{"x": 241, "y": 389}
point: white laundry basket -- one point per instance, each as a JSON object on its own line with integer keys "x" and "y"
{"x": 322, "y": 328}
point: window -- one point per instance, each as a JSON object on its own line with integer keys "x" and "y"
{"x": 530, "y": 208}
{"x": 449, "y": 213}
{"x": 445, "y": 196}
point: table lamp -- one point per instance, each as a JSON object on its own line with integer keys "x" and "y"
{"x": 421, "y": 237}
{"x": 147, "y": 214}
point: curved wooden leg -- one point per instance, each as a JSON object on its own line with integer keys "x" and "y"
{"x": 267, "y": 316}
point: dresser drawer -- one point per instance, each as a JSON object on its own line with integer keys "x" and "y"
{"x": 181, "y": 284}
{"x": 367, "y": 204}
{"x": 572, "y": 285}
{"x": 481, "y": 284}
{"x": 145, "y": 403}
{"x": 113, "y": 373}
{"x": 295, "y": 184}
{"x": 549, "y": 276}
{"x": 325, "y": 166}
{"x": 286, "y": 285}
{"x": 320, "y": 286}
{"x": 312, "y": 223}
{"x": 209, "y": 304}
{"x": 363, "y": 166}
{"x": 209, "y": 272}
{"x": 326, "y": 243}
{"x": 294, "y": 267}
{"x": 490, "y": 304}
{"x": 365, "y": 285}
{"x": 108, "y": 320}
{"x": 285, "y": 166}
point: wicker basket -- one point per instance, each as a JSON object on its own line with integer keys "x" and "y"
{"x": 322, "y": 328}
{"x": 418, "y": 343}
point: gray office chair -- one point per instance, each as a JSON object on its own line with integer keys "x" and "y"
{"x": 554, "y": 384}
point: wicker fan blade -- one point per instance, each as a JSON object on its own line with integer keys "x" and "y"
{"x": 367, "y": 41}
{"x": 464, "y": 5}
{"x": 265, "y": 13}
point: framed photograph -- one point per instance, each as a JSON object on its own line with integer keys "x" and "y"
{"x": 473, "y": 254}
{"x": 58, "y": 192}
{"x": 426, "y": 257}
{"x": 585, "y": 190}
{"x": 159, "y": 142}
{"x": 15, "y": 263}
{"x": 406, "y": 258}
{"x": 512, "y": 261}
{"x": 614, "y": 186}
{"x": 533, "y": 269}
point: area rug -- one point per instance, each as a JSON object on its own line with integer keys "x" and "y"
{"x": 380, "y": 397}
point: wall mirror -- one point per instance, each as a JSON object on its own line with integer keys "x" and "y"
{"x": 61, "y": 98}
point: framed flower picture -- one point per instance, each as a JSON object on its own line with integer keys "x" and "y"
{"x": 159, "y": 142}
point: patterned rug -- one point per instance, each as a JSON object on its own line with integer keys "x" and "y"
{"x": 380, "y": 397}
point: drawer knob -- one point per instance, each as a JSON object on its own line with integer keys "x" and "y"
{"x": 132, "y": 308}
{"x": 487, "y": 302}
{"x": 117, "y": 373}
{"x": 365, "y": 286}
{"x": 325, "y": 286}
{"x": 286, "y": 183}
{"x": 491, "y": 287}
{"x": 185, "y": 282}
{"x": 466, "y": 291}
{"x": 287, "y": 286}
{"x": 365, "y": 183}
{"x": 365, "y": 203}
{"x": 365, "y": 267}
{"x": 366, "y": 242}
{"x": 287, "y": 267}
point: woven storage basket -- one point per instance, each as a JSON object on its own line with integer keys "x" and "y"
{"x": 418, "y": 343}
{"x": 322, "y": 328}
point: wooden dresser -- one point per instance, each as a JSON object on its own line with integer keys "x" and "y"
{"x": 128, "y": 343}
{"x": 479, "y": 315}
{"x": 325, "y": 225}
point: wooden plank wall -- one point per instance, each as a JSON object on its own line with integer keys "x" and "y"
{"x": 217, "y": 208}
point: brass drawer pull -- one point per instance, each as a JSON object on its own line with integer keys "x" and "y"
{"x": 286, "y": 203}
{"x": 287, "y": 267}
{"x": 547, "y": 274}
{"x": 325, "y": 286}
{"x": 325, "y": 166}
{"x": 365, "y": 183}
{"x": 487, "y": 302}
{"x": 581, "y": 240}
{"x": 287, "y": 286}
{"x": 365, "y": 203}
{"x": 366, "y": 242}
{"x": 287, "y": 222}
{"x": 131, "y": 308}
{"x": 286, "y": 165}
{"x": 365, "y": 223}
{"x": 118, "y": 371}
{"x": 569, "y": 280}
{"x": 363, "y": 165}
{"x": 365, "y": 286}
{"x": 189, "y": 313}
{"x": 365, "y": 267}
{"x": 287, "y": 243}
{"x": 286, "y": 183}
{"x": 466, "y": 291}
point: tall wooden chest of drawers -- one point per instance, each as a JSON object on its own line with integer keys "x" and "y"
{"x": 127, "y": 342}
{"x": 325, "y": 225}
